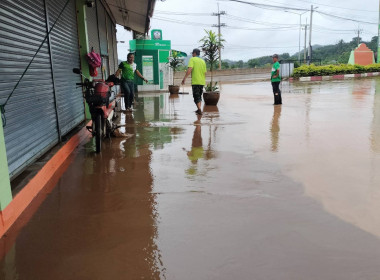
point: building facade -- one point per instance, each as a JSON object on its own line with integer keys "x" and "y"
{"x": 41, "y": 42}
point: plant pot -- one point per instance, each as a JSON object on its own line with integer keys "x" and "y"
{"x": 210, "y": 109}
{"x": 211, "y": 97}
{"x": 173, "y": 89}
{"x": 173, "y": 96}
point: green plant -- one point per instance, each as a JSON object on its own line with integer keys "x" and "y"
{"x": 175, "y": 62}
{"x": 328, "y": 70}
{"x": 210, "y": 87}
{"x": 210, "y": 46}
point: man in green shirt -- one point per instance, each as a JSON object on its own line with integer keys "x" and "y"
{"x": 276, "y": 80}
{"x": 197, "y": 69}
{"x": 127, "y": 70}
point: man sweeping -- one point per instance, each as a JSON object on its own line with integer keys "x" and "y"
{"x": 197, "y": 69}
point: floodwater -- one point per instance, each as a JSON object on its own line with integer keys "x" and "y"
{"x": 248, "y": 191}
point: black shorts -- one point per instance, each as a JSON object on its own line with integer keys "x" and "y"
{"x": 276, "y": 87}
{"x": 197, "y": 93}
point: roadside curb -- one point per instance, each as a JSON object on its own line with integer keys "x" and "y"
{"x": 25, "y": 197}
{"x": 335, "y": 77}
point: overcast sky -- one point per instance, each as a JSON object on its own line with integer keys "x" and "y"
{"x": 253, "y": 31}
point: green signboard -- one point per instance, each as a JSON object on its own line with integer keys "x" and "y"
{"x": 149, "y": 45}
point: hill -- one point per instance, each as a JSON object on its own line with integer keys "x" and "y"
{"x": 328, "y": 54}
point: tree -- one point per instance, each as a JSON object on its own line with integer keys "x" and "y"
{"x": 175, "y": 62}
{"x": 225, "y": 65}
{"x": 210, "y": 46}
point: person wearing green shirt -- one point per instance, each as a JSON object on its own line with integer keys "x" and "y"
{"x": 127, "y": 70}
{"x": 276, "y": 80}
{"x": 197, "y": 69}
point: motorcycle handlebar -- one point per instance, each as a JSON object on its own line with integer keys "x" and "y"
{"x": 79, "y": 84}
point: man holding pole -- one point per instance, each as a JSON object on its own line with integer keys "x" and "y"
{"x": 197, "y": 69}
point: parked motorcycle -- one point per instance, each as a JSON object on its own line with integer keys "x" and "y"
{"x": 102, "y": 103}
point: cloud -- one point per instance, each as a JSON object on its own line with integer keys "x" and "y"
{"x": 245, "y": 33}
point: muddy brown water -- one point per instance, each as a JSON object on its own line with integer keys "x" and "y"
{"x": 247, "y": 191}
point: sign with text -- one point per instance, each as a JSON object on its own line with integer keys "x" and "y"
{"x": 147, "y": 68}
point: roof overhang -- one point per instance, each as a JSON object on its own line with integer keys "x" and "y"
{"x": 134, "y": 15}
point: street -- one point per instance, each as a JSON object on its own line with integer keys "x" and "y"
{"x": 247, "y": 191}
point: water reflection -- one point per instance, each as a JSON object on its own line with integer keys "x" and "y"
{"x": 211, "y": 113}
{"x": 275, "y": 128}
{"x": 375, "y": 137}
{"x": 196, "y": 151}
{"x": 104, "y": 203}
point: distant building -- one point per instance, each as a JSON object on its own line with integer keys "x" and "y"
{"x": 362, "y": 55}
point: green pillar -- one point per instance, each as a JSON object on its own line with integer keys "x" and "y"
{"x": 83, "y": 42}
{"x": 5, "y": 184}
{"x": 378, "y": 42}
{"x": 378, "y": 38}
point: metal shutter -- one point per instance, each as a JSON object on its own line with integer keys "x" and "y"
{"x": 65, "y": 54}
{"x": 31, "y": 127}
{"x": 93, "y": 35}
{"x": 102, "y": 29}
{"x": 110, "y": 24}
{"x": 114, "y": 46}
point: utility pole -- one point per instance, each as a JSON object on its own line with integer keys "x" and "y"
{"x": 299, "y": 42}
{"x": 299, "y": 38}
{"x": 219, "y": 13}
{"x": 359, "y": 31}
{"x": 311, "y": 25}
{"x": 304, "y": 49}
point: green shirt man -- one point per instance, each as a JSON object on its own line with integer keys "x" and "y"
{"x": 275, "y": 75}
{"x": 197, "y": 69}
{"x": 276, "y": 80}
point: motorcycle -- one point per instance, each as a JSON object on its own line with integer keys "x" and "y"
{"x": 102, "y": 103}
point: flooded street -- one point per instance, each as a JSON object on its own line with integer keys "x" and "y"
{"x": 247, "y": 191}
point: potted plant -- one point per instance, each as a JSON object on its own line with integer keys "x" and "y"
{"x": 174, "y": 62}
{"x": 210, "y": 46}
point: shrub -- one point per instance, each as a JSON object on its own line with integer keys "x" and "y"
{"x": 328, "y": 70}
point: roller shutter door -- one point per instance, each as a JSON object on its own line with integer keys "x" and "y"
{"x": 31, "y": 127}
{"x": 93, "y": 34}
{"x": 111, "y": 52}
{"x": 115, "y": 58}
{"x": 65, "y": 57}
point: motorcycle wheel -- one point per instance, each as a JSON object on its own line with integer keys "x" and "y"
{"x": 98, "y": 132}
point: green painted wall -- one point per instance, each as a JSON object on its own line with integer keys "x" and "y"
{"x": 351, "y": 60}
{"x": 164, "y": 56}
{"x": 138, "y": 61}
{"x": 83, "y": 43}
{"x": 5, "y": 184}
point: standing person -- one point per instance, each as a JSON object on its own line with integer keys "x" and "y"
{"x": 127, "y": 70}
{"x": 276, "y": 80}
{"x": 197, "y": 68}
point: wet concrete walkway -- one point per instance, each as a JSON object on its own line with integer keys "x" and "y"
{"x": 248, "y": 191}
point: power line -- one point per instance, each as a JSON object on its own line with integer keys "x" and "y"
{"x": 260, "y": 29}
{"x": 232, "y": 17}
{"x": 268, "y": 7}
{"x": 343, "y": 18}
{"x": 226, "y": 26}
{"x": 182, "y": 13}
{"x": 341, "y": 8}
{"x": 183, "y": 22}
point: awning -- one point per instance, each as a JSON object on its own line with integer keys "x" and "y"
{"x": 132, "y": 14}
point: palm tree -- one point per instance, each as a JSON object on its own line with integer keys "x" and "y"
{"x": 210, "y": 46}
{"x": 174, "y": 62}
